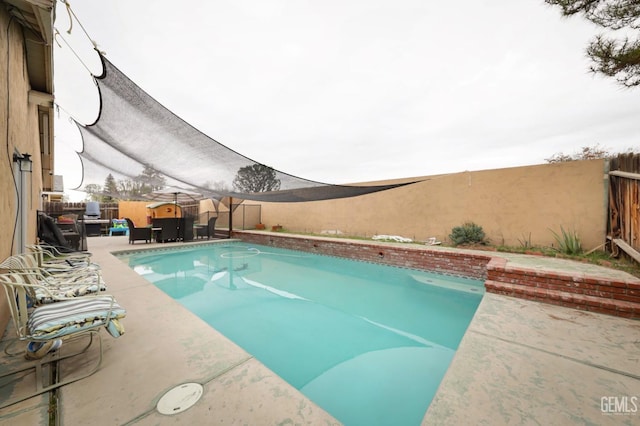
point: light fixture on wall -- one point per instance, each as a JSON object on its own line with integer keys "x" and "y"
{"x": 24, "y": 161}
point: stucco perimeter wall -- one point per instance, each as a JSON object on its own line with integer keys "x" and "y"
{"x": 20, "y": 125}
{"x": 135, "y": 210}
{"x": 512, "y": 205}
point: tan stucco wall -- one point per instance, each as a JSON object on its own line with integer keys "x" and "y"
{"x": 18, "y": 130}
{"x": 508, "y": 203}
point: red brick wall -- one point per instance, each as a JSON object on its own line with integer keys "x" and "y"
{"x": 596, "y": 294}
{"x": 467, "y": 265}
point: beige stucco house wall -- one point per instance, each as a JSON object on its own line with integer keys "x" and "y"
{"x": 26, "y": 113}
{"x": 511, "y": 205}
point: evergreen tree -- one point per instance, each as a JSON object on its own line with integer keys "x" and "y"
{"x": 613, "y": 57}
{"x": 110, "y": 189}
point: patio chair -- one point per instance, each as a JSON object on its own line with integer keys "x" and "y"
{"x": 65, "y": 320}
{"x": 136, "y": 234}
{"x": 185, "y": 233}
{"x": 49, "y": 257}
{"x": 168, "y": 228}
{"x": 209, "y": 230}
{"x": 59, "y": 283}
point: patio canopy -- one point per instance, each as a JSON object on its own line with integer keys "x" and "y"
{"x": 160, "y": 204}
{"x": 135, "y": 134}
{"x": 175, "y": 195}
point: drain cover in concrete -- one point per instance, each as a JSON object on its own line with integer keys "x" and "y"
{"x": 179, "y": 398}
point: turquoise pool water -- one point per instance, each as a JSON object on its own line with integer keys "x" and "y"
{"x": 368, "y": 343}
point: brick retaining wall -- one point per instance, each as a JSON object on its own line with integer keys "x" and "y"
{"x": 467, "y": 265}
{"x": 596, "y": 294}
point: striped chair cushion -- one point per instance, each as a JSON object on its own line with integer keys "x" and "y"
{"x": 70, "y": 316}
{"x": 52, "y": 293}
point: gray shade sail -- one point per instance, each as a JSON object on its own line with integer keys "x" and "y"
{"x": 134, "y": 131}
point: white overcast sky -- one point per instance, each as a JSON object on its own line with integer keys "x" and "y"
{"x": 344, "y": 91}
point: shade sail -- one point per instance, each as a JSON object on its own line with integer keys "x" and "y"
{"x": 134, "y": 131}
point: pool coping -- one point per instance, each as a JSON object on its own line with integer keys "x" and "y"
{"x": 174, "y": 248}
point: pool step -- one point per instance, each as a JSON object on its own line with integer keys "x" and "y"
{"x": 604, "y": 295}
{"x": 448, "y": 284}
{"x": 620, "y": 308}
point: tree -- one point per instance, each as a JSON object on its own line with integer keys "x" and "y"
{"x": 586, "y": 153}
{"x": 93, "y": 191}
{"x": 613, "y": 57}
{"x": 129, "y": 189}
{"x": 150, "y": 180}
{"x": 256, "y": 178}
{"x": 219, "y": 185}
{"x": 146, "y": 182}
{"x": 110, "y": 188}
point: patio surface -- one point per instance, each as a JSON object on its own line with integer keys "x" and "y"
{"x": 520, "y": 362}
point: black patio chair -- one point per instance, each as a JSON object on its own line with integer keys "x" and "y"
{"x": 136, "y": 234}
{"x": 207, "y": 231}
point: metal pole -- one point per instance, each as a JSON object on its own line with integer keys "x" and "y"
{"x": 230, "y": 215}
{"x": 175, "y": 216}
{"x": 24, "y": 219}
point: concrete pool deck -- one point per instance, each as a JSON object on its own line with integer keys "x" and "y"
{"x": 519, "y": 362}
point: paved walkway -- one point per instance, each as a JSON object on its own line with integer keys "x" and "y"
{"x": 524, "y": 362}
{"x": 520, "y": 362}
{"x": 165, "y": 346}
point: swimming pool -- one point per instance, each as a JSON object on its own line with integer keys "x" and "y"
{"x": 368, "y": 343}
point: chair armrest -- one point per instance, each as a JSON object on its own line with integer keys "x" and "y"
{"x": 43, "y": 290}
{"x": 55, "y": 254}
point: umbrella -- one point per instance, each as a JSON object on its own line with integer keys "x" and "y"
{"x": 175, "y": 195}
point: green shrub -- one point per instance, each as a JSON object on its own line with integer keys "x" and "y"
{"x": 568, "y": 242}
{"x": 467, "y": 233}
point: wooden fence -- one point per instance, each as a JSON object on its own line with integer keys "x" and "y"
{"x": 107, "y": 210}
{"x": 624, "y": 204}
{"x": 245, "y": 216}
